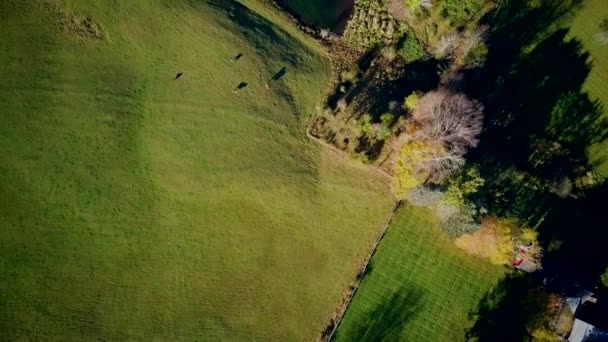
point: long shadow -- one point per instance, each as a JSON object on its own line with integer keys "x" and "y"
{"x": 376, "y": 93}
{"x": 388, "y": 320}
{"x": 262, "y": 34}
{"x": 539, "y": 124}
{"x": 504, "y": 312}
{"x": 575, "y": 236}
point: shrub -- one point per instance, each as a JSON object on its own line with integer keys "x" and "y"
{"x": 492, "y": 241}
{"x": 460, "y": 223}
{"x": 464, "y": 184}
{"x": 447, "y": 44}
{"x": 458, "y": 12}
{"x": 389, "y": 53}
{"x": 502, "y": 240}
{"x": 387, "y": 119}
{"x": 411, "y": 49}
{"x": 386, "y": 122}
{"x": 411, "y": 101}
{"x": 424, "y": 197}
{"x": 604, "y": 278}
{"x": 365, "y": 126}
{"x": 476, "y": 57}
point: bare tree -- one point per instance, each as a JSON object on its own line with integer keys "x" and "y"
{"x": 447, "y": 44}
{"x": 451, "y": 119}
{"x": 440, "y": 163}
{"x": 473, "y": 39}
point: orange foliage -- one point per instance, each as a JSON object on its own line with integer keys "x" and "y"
{"x": 493, "y": 241}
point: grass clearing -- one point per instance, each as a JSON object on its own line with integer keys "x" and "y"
{"x": 417, "y": 268}
{"x": 584, "y": 27}
{"x": 138, "y": 207}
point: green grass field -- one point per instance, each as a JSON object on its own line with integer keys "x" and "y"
{"x": 432, "y": 283}
{"x": 584, "y": 27}
{"x": 138, "y": 207}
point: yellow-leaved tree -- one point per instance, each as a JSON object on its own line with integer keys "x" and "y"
{"x": 422, "y": 160}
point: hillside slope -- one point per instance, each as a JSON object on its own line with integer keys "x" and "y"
{"x": 136, "y": 206}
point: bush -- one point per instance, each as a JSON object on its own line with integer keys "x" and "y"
{"x": 458, "y": 222}
{"x": 411, "y": 101}
{"x": 476, "y": 56}
{"x": 464, "y": 184}
{"x": 365, "y": 126}
{"x": 424, "y": 197}
{"x": 386, "y": 122}
{"x": 458, "y": 12}
{"x": 411, "y": 49}
{"x": 604, "y": 278}
{"x": 387, "y": 119}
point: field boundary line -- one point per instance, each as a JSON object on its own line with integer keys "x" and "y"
{"x": 343, "y": 154}
{"x": 332, "y": 326}
{"x": 334, "y": 323}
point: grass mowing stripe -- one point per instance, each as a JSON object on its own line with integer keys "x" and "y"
{"x": 139, "y": 207}
{"x": 417, "y": 269}
{"x": 585, "y": 26}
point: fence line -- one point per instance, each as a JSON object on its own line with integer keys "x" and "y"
{"x": 361, "y": 275}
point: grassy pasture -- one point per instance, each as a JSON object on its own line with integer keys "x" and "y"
{"x": 138, "y": 207}
{"x": 584, "y": 27}
{"x": 433, "y": 284}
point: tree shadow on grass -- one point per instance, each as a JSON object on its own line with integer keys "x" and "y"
{"x": 502, "y": 314}
{"x": 388, "y": 320}
{"x": 575, "y": 238}
{"x": 262, "y": 34}
{"x": 539, "y": 123}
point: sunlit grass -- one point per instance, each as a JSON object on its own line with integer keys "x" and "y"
{"x": 138, "y": 207}
{"x": 585, "y": 26}
{"x": 417, "y": 262}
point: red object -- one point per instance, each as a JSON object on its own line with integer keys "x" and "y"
{"x": 518, "y": 262}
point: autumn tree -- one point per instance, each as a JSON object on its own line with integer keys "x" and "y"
{"x": 451, "y": 119}
{"x": 422, "y": 161}
{"x": 411, "y": 102}
{"x": 443, "y": 127}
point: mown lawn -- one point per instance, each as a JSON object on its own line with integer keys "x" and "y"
{"x": 138, "y": 207}
{"x": 421, "y": 287}
{"x": 584, "y": 27}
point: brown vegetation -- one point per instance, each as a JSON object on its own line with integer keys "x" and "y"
{"x": 73, "y": 24}
{"x": 483, "y": 243}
